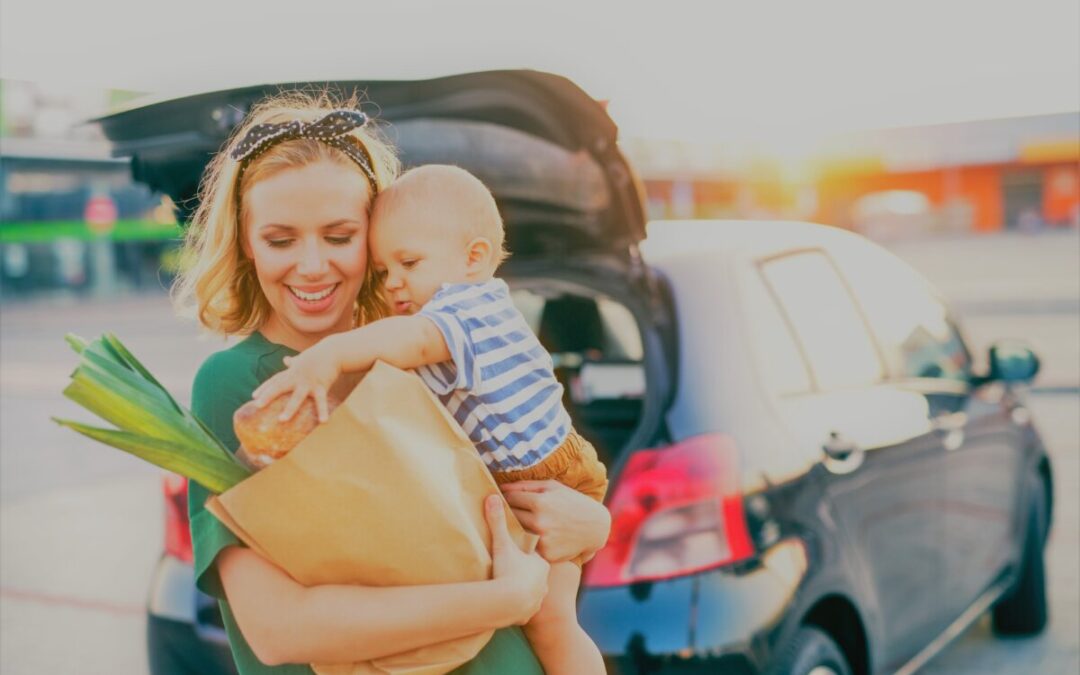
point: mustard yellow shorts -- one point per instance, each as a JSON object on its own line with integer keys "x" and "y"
{"x": 574, "y": 464}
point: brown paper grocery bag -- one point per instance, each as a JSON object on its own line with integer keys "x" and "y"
{"x": 388, "y": 492}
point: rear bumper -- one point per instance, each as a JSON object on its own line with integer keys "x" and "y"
{"x": 173, "y": 596}
{"x": 183, "y": 627}
{"x": 172, "y": 590}
{"x": 731, "y": 664}
{"x": 722, "y": 621}
{"x": 175, "y": 648}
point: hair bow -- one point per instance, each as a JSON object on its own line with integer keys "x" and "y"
{"x": 332, "y": 129}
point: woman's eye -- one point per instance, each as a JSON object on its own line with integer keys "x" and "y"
{"x": 339, "y": 241}
{"x": 278, "y": 243}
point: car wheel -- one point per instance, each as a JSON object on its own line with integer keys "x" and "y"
{"x": 811, "y": 652}
{"x": 1023, "y": 611}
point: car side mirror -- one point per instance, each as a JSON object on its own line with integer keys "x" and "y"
{"x": 1012, "y": 361}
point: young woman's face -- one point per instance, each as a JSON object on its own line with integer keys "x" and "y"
{"x": 306, "y": 233}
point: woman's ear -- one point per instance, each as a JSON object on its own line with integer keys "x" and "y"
{"x": 480, "y": 253}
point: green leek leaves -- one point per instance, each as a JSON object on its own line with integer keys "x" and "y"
{"x": 111, "y": 383}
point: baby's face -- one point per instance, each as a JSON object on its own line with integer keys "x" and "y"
{"x": 415, "y": 256}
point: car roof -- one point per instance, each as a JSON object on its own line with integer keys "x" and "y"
{"x": 668, "y": 240}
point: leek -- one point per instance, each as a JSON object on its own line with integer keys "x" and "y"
{"x": 111, "y": 383}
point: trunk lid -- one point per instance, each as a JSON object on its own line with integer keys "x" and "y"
{"x": 545, "y": 148}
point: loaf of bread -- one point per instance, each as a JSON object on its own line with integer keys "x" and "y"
{"x": 264, "y": 438}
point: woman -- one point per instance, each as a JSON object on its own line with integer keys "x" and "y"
{"x": 279, "y": 254}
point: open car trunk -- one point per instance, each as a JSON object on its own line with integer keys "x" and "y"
{"x": 611, "y": 350}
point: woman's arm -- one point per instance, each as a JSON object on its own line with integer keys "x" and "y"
{"x": 569, "y": 523}
{"x": 285, "y": 622}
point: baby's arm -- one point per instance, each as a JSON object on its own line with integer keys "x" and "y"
{"x": 403, "y": 341}
{"x": 406, "y": 342}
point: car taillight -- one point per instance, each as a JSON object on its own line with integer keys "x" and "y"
{"x": 177, "y": 533}
{"x": 675, "y": 510}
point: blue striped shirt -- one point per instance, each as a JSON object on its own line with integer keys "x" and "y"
{"x": 499, "y": 384}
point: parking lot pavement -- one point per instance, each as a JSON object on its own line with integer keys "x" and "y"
{"x": 74, "y": 570}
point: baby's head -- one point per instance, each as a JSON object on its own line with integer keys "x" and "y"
{"x": 435, "y": 224}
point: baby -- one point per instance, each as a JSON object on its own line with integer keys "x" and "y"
{"x": 437, "y": 238}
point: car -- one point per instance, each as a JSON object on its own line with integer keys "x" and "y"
{"x": 810, "y": 472}
{"x": 184, "y": 631}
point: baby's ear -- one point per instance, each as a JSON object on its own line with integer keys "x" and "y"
{"x": 480, "y": 252}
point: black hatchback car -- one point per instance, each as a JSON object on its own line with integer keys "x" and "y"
{"x": 810, "y": 471}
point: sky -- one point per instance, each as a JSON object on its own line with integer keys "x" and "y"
{"x": 705, "y": 70}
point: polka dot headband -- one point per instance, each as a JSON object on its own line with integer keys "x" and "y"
{"x": 332, "y": 129}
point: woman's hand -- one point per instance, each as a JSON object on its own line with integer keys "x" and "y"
{"x": 569, "y": 523}
{"x": 522, "y": 576}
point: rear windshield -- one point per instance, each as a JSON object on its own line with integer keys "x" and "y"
{"x": 520, "y": 169}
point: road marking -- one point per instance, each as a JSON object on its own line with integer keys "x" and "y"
{"x": 71, "y": 601}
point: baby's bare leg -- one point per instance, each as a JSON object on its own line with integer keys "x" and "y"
{"x": 559, "y": 642}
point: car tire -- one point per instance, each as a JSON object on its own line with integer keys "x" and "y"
{"x": 810, "y": 652}
{"x": 1023, "y": 609}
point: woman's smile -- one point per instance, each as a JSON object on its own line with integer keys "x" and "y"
{"x": 313, "y": 299}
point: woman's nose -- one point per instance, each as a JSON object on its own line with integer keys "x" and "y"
{"x": 312, "y": 261}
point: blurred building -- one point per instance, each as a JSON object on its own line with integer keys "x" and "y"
{"x": 983, "y": 176}
{"x": 980, "y": 176}
{"x": 70, "y": 215}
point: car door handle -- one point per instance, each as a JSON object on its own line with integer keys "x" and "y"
{"x": 951, "y": 429}
{"x": 840, "y": 447}
{"x": 950, "y": 422}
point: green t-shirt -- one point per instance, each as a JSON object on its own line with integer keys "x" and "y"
{"x": 224, "y": 383}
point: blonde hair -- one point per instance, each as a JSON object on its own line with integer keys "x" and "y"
{"x": 218, "y": 282}
{"x": 453, "y": 190}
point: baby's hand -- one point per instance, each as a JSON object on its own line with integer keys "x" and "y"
{"x": 308, "y": 374}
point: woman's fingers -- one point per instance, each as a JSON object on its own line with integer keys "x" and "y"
{"x": 524, "y": 505}
{"x": 525, "y": 486}
{"x": 569, "y": 523}
{"x": 522, "y": 500}
{"x": 526, "y": 518}
{"x": 519, "y": 514}
{"x": 496, "y": 520}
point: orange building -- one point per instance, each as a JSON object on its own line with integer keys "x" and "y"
{"x": 976, "y": 176}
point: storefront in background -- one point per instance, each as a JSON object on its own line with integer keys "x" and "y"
{"x": 985, "y": 176}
